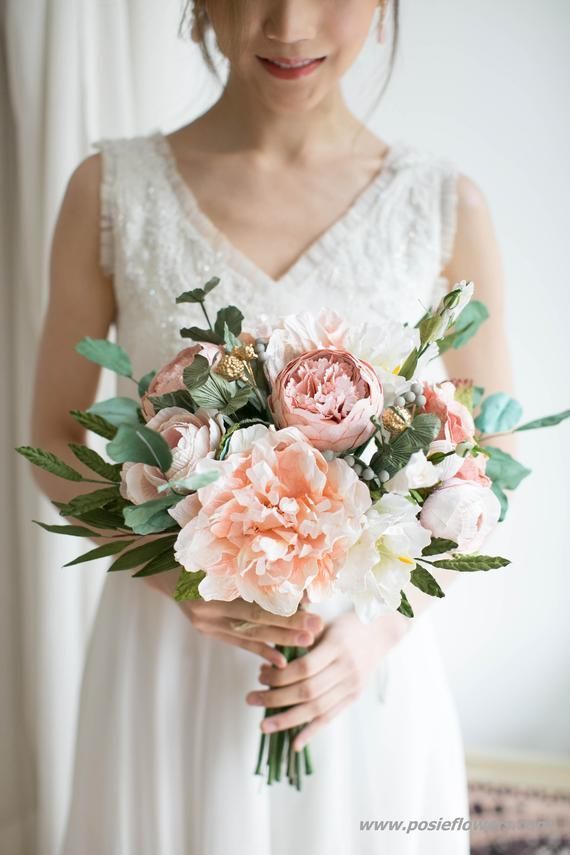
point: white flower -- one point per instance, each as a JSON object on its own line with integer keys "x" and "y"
{"x": 381, "y": 561}
{"x": 463, "y": 511}
{"x": 417, "y": 473}
{"x": 449, "y": 466}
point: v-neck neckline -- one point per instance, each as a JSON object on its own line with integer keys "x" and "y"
{"x": 319, "y": 251}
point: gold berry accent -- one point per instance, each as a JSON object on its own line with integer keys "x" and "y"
{"x": 396, "y": 420}
{"x": 245, "y": 352}
{"x": 230, "y": 367}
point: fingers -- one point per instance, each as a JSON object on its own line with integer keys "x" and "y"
{"x": 317, "y": 723}
{"x": 257, "y": 647}
{"x": 272, "y": 634}
{"x": 299, "y": 692}
{"x": 301, "y": 713}
{"x": 240, "y": 610}
{"x": 302, "y": 668}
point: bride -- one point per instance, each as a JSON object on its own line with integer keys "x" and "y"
{"x": 281, "y": 192}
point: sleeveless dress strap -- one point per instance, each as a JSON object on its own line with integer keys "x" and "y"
{"x": 108, "y": 151}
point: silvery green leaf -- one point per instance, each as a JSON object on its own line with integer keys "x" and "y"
{"x": 145, "y": 382}
{"x": 499, "y": 412}
{"x": 503, "y": 500}
{"x": 151, "y": 517}
{"x": 196, "y": 373}
{"x": 504, "y": 470}
{"x": 193, "y": 482}
{"x": 140, "y": 444}
{"x": 105, "y": 353}
{"x": 117, "y": 411}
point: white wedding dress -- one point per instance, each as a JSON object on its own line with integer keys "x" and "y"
{"x": 166, "y": 744}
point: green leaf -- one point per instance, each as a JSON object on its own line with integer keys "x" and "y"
{"x": 160, "y": 564}
{"x": 231, "y": 316}
{"x": 419, "y": 435}
{"x": 499, "y": 412}
{"x": 105, "y": 353}
{"x": 408, "y": 368}
{"x": 117, "y": 411}
{"x": 110, "y": 471}
{"x": 181, "y": 398}
{"x": 197, "y": 295}
{"x": 103, "y": 518}
{"x": 223, "y": 447}
{"x": 422, "y": 579}
{"x": 151, "y": 517}
{"x": 101, "y": 552}
{"x": 438, "y": 546}
{"x": 145, "y": 382}
{"x": 141, "y": 554}
{"x": 405, "y": 608}
{"x": 187, "y": 587}
{"x": 96, "y": 424}
{"x": 478, "y": 393}
{"x": 197, "y": 372}
{"x": 230, "y": 340}
{"x": 237, "y": 401}
{"x": 73, "y": 530}
{"x": 88, "y": 501}
{"x": 140, "y": 445}
{"x": 197, "y": 334}
{"x": 468, "y": 322}
{"x": 472, "y": 562}
{"x": 50, "y": 462}
{"x": 503, "y": 500}
{"x": 193, "y": 482}
{"x": 215, "y": 394}
{"x": 546, "y": 421}
{"x": 427, "y": 327}
{"x": 504, "y": 470}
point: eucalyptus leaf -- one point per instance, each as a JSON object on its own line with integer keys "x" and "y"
{"x": 151, "y": 516}
{"x": 503, "y": 500}
{"x": 94, "y": 423}
{"x": 192, "y": 482}
{"x": 422, "y": 579}
{"x": 50, "y": 462}
{"x": 117, "y": 411}
{"x": 187, "y": 587}
{"x": 468, "y": 323}
{"x": 140, "y": 444}
{"x": 546, "y": 421}
{"x": 145, "y": 382}
{"x": 504, "y": 470}
{"x": 499, "y": 412}
{"x": 102, "y": 551}
{"x": 230, "y": 340}
{"x": 110, "y": 471}
{"x": 478, "y": 393}
{"x": 105, "y": 353}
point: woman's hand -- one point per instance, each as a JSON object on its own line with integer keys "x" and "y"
{"x": 320, "y": 684}
{"x": 214, "y": 618}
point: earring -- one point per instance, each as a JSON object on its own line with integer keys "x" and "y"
{"x": 381, "y": 33}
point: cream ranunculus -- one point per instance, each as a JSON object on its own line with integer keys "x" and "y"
{"x": 191, "y": 438}
{"x": 381, "y": 561}
{"x": 463, "y": 511}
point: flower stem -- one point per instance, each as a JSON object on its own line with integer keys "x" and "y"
{"x": 206, "y": 316}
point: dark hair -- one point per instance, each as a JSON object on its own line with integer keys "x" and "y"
{"x": 198, "y": 8}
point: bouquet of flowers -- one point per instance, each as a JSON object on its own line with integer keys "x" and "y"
{"x": 299, "y": 459}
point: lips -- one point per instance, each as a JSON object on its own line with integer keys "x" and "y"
{"x": 289, "y": 68}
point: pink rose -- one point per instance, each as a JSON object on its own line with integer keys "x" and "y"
{"x": 190, "y": 436}
{"x": 330, "y": 396}
{"x": 170, "y": 378}
{"x": 457, "y": 422}
{"x": 473, "y": 469}
{"x": 462, "y": 511}
{"x": 277, "y": 522}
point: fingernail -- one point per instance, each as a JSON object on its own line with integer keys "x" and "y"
{"x": 304, "y": 638}
{"x": 255, "y": 700}
{"x": 269, "y": 726}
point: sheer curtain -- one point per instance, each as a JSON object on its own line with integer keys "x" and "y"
{"x": 73, "y": 71}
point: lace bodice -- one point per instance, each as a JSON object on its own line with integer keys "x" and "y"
{"x": 383, "y": 256}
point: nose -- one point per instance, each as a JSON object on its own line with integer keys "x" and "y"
{"x": 290, "y": 21}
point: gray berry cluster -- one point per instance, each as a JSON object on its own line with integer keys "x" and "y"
{"x": 413, "y": 396}
{"x": 259, "y": 348}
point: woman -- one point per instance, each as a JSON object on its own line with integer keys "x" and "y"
{"x": 284, "y": 194}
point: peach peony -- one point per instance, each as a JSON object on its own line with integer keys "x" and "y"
{"x": 457, "y": 423}
{"x": 473, "y": 469}
{"x": 278, "y": 521}
{"x": 170, "y": 377}
{"x": 330, "y": 396}
{"x": 191, "y": 437}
